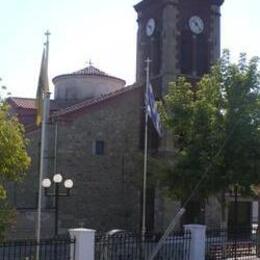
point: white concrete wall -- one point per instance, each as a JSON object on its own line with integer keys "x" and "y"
{"x": 77, "y": 87}
{"x": 84, "y": 245}
{"x": 198, "y": 241}
{"x": 255, "y": 206}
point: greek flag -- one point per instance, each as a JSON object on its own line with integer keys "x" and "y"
{"x": 43, "y": 86}
{"x": 151, "y": 109}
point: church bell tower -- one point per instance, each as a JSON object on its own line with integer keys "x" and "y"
{"x": 181, "y": 37}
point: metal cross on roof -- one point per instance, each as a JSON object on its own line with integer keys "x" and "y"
{"x": 47, "y": 35}
{"x": 90, "y": 63}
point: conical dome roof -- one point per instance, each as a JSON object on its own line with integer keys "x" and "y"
{"x": 90, "y": 70}
{"x": 87, "y": 71}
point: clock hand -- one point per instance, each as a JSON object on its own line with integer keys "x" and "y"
{"x": 198, "y": 25}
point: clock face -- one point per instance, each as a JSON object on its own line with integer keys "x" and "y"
{"x": 150, "y": 27}
{"x": 196, "y": 24}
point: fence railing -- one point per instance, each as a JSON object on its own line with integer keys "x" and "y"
{"x": 49, "y": 249}
{"x": 240, "y": 243}
{"x": 129, "y": 246}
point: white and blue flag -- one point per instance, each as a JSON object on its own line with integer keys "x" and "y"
{"x": 152, "y": 111}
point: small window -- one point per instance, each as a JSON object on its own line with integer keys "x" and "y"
{"x": 100, "y": 148}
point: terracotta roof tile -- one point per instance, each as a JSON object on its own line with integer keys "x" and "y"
{"x": 29, "y": 103}
{"x": 87, "y": 71}
{"x": 84, "y": 104}
{"x": 90, "y": 70}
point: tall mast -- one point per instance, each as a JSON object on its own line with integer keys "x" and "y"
{"x": 43, "y": 168}
{"x": 148, "y": 61}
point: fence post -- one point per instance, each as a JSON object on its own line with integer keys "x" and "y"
{"x": 198, "y": 241}
{"x": 84, "y": 245}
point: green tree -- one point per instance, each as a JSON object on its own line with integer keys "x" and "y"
{"x": 215, "y": 127}
{"x": 14, "y": 160}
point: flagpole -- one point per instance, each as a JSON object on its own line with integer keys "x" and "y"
{"x": 46, "y": 97}
{"x": 143, "y": 230}
{"x": 43, "y": 135}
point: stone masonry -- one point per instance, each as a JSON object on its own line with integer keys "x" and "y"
{"x": 105, "y": 193}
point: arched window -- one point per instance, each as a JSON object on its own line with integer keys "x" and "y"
{"x": 186, "y": 59}
{"x": 194, "y": 54}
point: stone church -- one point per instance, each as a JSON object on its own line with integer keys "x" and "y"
{"x": 96, "y": 126}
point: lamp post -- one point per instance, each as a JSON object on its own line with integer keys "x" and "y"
{"x": 56, "y": 193}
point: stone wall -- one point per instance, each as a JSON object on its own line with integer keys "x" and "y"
{"x": 25, "y": 225}
{"x": 105, "y": 193}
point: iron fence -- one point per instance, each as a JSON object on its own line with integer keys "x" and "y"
{"x": 234, "y": 244}
{"x": 61, "y": 248}
{"x": 129, "y": 246}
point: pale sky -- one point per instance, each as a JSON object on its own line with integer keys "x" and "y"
{"x": 101, "y": 30}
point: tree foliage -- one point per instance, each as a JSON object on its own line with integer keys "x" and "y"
{"x": 215, "y": 127}
{"x": 14, "y": 160}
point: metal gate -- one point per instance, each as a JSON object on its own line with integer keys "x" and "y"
{"x": 130, "y": 246}
{"x": 62, "y": 248}
{"x": 233, "y": 244}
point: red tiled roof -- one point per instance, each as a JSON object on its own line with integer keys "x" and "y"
{"x": 87, "y": 71}
{"x": 29, "y": 103}
{"x": 90, "y": 70}
{"x": 90, "y": 102}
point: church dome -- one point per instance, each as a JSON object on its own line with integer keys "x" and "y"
{"x": 89, "y": 82}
